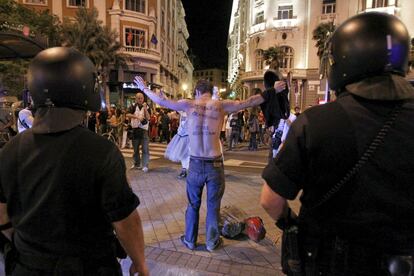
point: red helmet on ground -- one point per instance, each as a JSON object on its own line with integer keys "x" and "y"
{"x": 254, "y": 229}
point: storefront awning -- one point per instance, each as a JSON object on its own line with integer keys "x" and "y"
{"x": 15, "y": 45}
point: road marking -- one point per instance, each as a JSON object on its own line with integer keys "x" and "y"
{"x": 157, "y": 152}
{"x": 241, "y": 163}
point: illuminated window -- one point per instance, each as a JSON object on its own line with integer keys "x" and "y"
{"x": 328, "y": 6}
{"x": 77, "y": 3}
{"x": 42, "y": 2}
{"x": 287, "y": 62}
{"x": 134, "y": 38}
{"x": 372, "y": 4}
{"x": 135, "y": 5}
{"x": 285, "y": 12}
{"x": 259, "y": 59}
{"x": 259, "y": 17}
{"x": 379, "y": 3}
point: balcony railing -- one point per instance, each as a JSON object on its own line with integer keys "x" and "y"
{"x": 328, "y": 17}
{"x": 390, "y": 10}
{"x": 258, "y": 74}
{"x": 140, "y": 50}
{"x": 285, "y": 23}
{"x": 257, "y": 28}
{"x": 253, "y": 74}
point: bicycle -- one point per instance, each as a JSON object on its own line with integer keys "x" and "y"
{"x": 110, "y": 135}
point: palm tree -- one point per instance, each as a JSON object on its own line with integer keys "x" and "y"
{"x": 273, "y": 57}
{"x": 98, "y": 42}
{"x": 44, "y": 27}
{"x": 321, "y": 34}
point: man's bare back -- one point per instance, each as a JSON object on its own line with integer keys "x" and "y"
{"x": 205, "y": 118}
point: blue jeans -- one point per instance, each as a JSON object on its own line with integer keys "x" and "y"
{"x": 253, "y": 141}
{"x": 141, "y": 139}
{"x": 209, "y": 172}
{"x": 234, "y": 138}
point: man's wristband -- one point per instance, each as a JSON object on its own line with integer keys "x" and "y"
{"x": 6, "y": 226}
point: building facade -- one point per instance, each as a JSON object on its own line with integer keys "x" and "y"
{"x": 153, "y": 32}
{"x": 257, "y": 25}
{"x": 218, "y": 77}
{"x": 185, "y": 67}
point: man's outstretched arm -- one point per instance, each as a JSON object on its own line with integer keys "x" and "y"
{"x": 180, "y": 105}
{"x": 234, "y": 106}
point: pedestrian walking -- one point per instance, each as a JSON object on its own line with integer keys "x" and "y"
{"x": 351, "y": 160}
{"x": 204, "y": 122}
{"x": 236, "y": 124}
{"x": 139, "y": 115}
{"x": 63, "y": 188}
{"x": 164, "y": 126}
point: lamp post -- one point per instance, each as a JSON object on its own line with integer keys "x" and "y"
{"x": 184, "y": 87}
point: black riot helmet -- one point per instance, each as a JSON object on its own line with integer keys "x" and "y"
{"x": 367, "y": 45}
{"x": 63, "y": 77}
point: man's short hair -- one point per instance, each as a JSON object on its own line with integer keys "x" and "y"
{"x": 204, "y": 86}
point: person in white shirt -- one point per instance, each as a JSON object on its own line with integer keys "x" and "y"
{"x": 139, "y": 116}
{"x": 282, "y": 131}
{"x": 25, "y": 119}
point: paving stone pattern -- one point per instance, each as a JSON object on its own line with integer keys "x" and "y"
{"x": 163, "y": 204}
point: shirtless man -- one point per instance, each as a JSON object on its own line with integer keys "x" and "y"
{"x": 204, "y": 122}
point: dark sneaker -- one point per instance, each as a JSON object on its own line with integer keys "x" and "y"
{"x": 183, "y": 174}
{"x": 187, "y": 244}
{"x": 216, "y": 246}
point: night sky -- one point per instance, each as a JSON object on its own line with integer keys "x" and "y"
{"x": 208, "y": 25}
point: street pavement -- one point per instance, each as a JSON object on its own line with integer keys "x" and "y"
{"x": 162, "y": 210}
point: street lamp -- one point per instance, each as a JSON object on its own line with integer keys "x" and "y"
{"x": 184, "y": 87}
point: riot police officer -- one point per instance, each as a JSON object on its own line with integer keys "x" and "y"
{"x": 353, "y": 158}
{"x": 63, "y": 189}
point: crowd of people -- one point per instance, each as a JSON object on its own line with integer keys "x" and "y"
{"x": 163, "y": 124}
